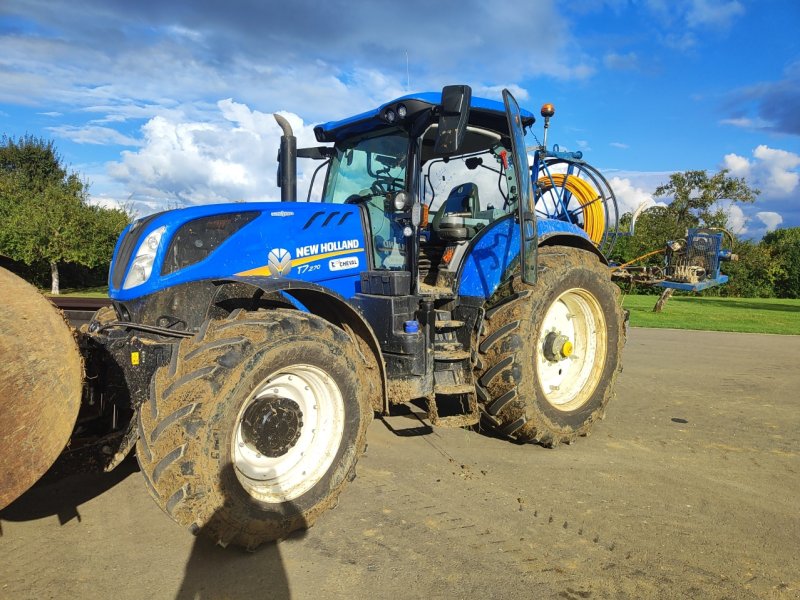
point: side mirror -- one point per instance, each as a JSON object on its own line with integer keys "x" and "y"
{"x": 453, "y": 118}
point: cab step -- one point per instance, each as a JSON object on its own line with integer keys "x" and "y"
{"x": 450, "y": 355}
{"x": 448, "y": 325}
{"x": 454, "y": 389}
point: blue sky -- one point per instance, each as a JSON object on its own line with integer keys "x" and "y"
{"x": 166, "y": 104}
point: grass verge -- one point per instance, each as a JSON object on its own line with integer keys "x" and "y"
{"x": 745, "y": 315}
{"x": 93, "y": 292}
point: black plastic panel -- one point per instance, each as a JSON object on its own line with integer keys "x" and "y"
{"x": 197, "y": 239}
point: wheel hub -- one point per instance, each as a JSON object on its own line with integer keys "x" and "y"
{"x": 557, "y": 347}
{"x": 271, "y": 425}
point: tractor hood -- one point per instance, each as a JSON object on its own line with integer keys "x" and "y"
{"x": 307, "y": 241}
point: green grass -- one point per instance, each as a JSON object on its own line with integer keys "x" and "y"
{"x": 100, "y": 291}
{"x": 746, "y": 315}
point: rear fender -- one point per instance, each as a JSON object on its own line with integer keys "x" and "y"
{"x": 493, "y": 255}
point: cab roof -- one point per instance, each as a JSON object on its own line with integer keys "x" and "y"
{"x": 483, "y": 112}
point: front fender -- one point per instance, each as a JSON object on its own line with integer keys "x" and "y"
{"x": 332, "y": 307}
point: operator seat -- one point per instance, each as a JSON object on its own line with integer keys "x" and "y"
{"x": 452, "y": 222}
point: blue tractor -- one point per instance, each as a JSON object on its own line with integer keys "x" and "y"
{"x": 250, "y": 344}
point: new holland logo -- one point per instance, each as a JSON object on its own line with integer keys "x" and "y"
{"x": 280, "y": 262}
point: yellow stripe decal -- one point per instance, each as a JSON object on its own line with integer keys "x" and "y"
{"x": 264, "y": 271}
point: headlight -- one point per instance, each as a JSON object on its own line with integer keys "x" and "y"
{"x": 401, "y": 201}
{"x": 142, "y": 264}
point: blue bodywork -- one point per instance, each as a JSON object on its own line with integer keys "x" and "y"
{"x": 326, "y": 245}
{"x": 494, "y": 253}
{"x": 317, "y": 237}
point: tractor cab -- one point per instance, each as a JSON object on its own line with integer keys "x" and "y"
{"x": 431, "y": 172}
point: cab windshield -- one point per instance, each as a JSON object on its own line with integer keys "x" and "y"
{"x": 367, "y": 167}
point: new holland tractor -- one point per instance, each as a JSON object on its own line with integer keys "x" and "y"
{"x": 250, "y": 344}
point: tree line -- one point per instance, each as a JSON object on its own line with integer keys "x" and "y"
{"x": 46, "y": 222}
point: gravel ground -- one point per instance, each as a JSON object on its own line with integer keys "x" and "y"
{"x": 688, "y": 489}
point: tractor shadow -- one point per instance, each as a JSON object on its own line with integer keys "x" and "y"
{"x": 213, "y": 571}
{"x": 415, "y": 413}
{"x": 401, "y": 415}
{"x": 74, "y": 479}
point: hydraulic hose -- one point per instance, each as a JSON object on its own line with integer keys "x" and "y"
{"x": 637, "y": 259}
{"x": 594, "y": 219}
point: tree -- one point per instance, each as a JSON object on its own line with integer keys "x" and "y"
{"x": 784, "y": 247}
{"x": 755, "y": 273}
{"x": 696, "y": 196}
{"x": 44, "y": 215}
{"x": 33, "y": 161}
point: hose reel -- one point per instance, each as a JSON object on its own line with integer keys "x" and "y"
{"x": 568, "y": 189}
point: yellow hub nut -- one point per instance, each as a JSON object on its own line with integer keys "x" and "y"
{"x": 566, "y": 349}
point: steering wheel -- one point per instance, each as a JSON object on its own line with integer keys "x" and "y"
{"x": 367, "y": 194}
{"x": 364, "y": 195}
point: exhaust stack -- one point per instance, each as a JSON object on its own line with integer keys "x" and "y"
{"x": 287, "y": 161}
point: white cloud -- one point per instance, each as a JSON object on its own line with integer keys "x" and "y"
{"x": 737, "y": 220}
{"x": 629, "y": 197}
{"x": 746, "y": 123}
{"x": 93, "y": 134}
{"x": 781, "y": 169}
{"x": 231, "y": 158}
{"x": 136, "y": 61}
{"x": 619, "y": 145}
{"x": 773, "y": 171}
{"x": 496, "y": 91}
{"x": 744, "y": 222}
{"x": 713, "y": 13}
{"x": 739, "y": 166}
{"x": 770, "y": 219}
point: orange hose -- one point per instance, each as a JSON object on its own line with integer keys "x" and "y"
{"x": 594, "y": 218}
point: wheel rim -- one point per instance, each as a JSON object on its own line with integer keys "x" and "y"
{"x": 571, "y": 349}
{"x": 296, "y": 416}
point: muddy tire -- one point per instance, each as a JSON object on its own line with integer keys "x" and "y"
{"x": 550, "y": 353}
{"x": 255, "y": 426}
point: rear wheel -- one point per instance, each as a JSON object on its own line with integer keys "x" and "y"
{"x": 551, "y": 352}
{"x": 255, "y": 427}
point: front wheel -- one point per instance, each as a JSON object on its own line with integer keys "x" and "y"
{"x": 551, "y": 352}
{"x": 255, "y": 427}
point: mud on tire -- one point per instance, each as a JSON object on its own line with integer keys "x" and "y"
{"x": 199, "y": 464}
{"x": 550, "y": 353}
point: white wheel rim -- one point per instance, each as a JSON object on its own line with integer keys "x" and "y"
{"x": 286, "y": 477}
{"x": 569, "y": 381}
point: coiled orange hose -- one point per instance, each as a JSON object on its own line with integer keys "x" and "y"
{"x": 594, "y": 218}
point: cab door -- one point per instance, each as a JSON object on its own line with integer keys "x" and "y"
{"x": 526, "y": 217}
